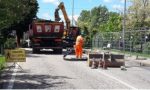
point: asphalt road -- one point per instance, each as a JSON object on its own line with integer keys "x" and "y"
{"x": 50, "y": 71}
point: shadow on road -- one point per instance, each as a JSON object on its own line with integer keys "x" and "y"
{"x": 48, "y": 52}
{"x": 26, "y": 81}
{"x": 81, "y": 60}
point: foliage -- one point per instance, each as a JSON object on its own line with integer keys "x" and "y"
{"x": 16, "y": 15}
{"x": 30, "y": 10}
{"x": 2, "y": 62}
{"x": 7, "y": 17}
{"x": 147, "y": 48}
{"x": 138, "y": 14}
{"x": 99, "y": 19}
{"x": 114, "y": 23}
{"x": 10, "y": 43}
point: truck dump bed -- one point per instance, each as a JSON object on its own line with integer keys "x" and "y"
{"x": 45, "y": 34}
{"x": 46, "y": 29}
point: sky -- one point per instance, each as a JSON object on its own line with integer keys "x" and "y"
{"x": 47, "y": 7}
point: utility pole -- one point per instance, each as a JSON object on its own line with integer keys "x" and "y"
{"x": 124, "y": 26}
{"x": 123, "y": 33}
{"x": 72, "y": 11}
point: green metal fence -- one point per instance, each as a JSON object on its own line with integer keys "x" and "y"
{"x": 134, "y": 40}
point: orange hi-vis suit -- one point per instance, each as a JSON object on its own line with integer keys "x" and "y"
{"x": 78, "y": 47}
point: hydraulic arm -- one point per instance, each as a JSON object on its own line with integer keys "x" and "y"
{"x": 57, "y": 18}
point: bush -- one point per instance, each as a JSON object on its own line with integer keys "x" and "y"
{"x": 146, "y": 48}
{"x": 10, "y": 43}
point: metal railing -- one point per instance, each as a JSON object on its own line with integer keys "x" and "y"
{"x": 134, "y": 40}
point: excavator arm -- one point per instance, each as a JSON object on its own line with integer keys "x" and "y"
{"x": 71, "y": 33}
{"x": 57, "y": 18}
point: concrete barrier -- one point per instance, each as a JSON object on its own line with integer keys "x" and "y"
{"x": 105, "y": 60}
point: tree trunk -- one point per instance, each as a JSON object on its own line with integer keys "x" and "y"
{"x": 18, "y": 41}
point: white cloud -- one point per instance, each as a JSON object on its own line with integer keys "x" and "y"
{"x": 55, "y": 2}
{"x": 70, "y": 17}
{"x": 107, "y": 1}
{"x": 46, "y": 16}
{"x": 76, "y": 17}
{"x": 61, "y": 16}
{"x": 122, "y": 1}
{"x": 117, "y": 7}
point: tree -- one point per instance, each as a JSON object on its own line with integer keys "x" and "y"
{"x": 93, "y": 19}
{"x": 139, "y": 14}
{"x": 29, "y": 13}
{"x": 114, "y": 22}
{"x": 10, "y": 13}
{"x": 84, "y": 16}
{"x": 99, "y": 19}
{"x": 17, "y": 15}
{"x": 84, "y": 20}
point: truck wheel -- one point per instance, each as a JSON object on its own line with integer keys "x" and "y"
{"x": 58, "y": 51}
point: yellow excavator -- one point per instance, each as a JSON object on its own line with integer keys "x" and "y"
{"x": 70, "y": 32}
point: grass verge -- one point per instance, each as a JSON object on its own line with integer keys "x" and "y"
{"x": 132, "y": 53}
{"x": 127, "y": 52}
{"x": 2, "y": 62}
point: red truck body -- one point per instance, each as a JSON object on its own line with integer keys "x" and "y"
{"x": 45, "y": 34}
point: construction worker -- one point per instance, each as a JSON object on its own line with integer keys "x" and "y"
{"x": 78, "y": 46}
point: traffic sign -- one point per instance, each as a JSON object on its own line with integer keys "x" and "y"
{"x": 15, "y": 55}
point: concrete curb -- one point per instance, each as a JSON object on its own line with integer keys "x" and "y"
{"x": 143, "y": 62}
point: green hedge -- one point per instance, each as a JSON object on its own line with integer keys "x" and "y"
{"x": 2, "y": 62}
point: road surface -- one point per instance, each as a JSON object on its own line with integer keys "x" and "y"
{"x": 50, "y": 71}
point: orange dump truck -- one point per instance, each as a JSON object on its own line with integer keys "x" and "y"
{"x": 46, "y": 34}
